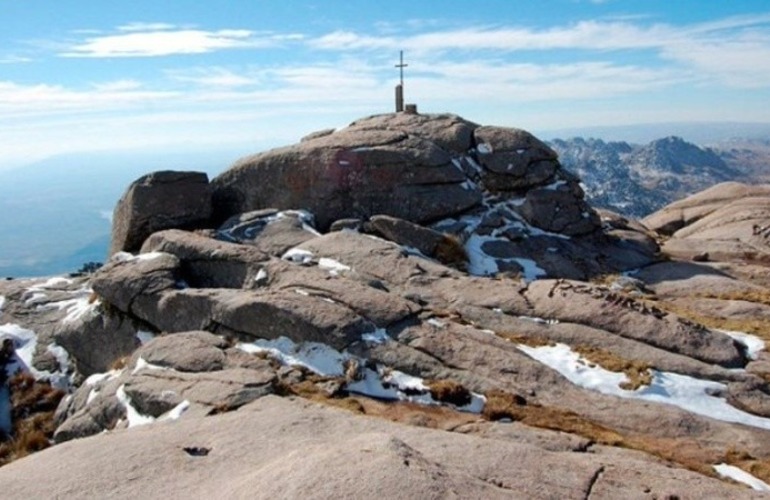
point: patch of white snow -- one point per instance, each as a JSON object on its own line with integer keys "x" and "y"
{"x": 316, "y": 357}
{"x": 144, "y": 336}
{"x": 24, "y": 341}
{"x": 690, "y": 394}
{"x": 554, "y": 185}
{"x": 142, "y": 364}
{"x": 176, "y": 412}
{"x": 484, "y": 148}
{"x": 134, "y": 417}
{"x": 740, "y": 475}
{"x": 96, "y": 378}
{"x": 298, "y": 256}
{"x": 334, "y": 267}
{"x": 752, "y": 343}
{"x": 479, "y": 263}
{"x": 530, "y": 269}
{"x": 379, "y": 336}
{"x": 542, "y": 321}
{"x": 128, "y": 257}
{"x": 436, "y": 323}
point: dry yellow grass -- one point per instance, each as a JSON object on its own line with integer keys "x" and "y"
{"x": 518, "y": 338}
{"x": 637, "y": 372}
{"x": 756, "y": 326}
{"x": 755, "y": 296}
{"x": 681, "y": 452}
{"x": 449, "y": 391}
{"x": 33, "y": 405}
{"x": 450, "y": 251}
{"x": 757, "y": 467}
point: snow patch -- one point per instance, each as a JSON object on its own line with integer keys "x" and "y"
{"x": 25, "y": 342}
{"x": 316, "y": 357}
{"x": 128, "y": 257}
{"x": 2, "y": 302}
{"x": 554, "y": 185}
{"x": 736, "y": 474}
{"x": 261, "y": 275}
{"x": 530, "y": 269}
{"x": 484, "y": 148}
{"x": 132, "y": 414}
{"x": 143, "y": 336}
{"x": 34, "y": 298}
{"x": 298, "y": 256}
{"x": 334, "y": 267}
{"x": 92, "y": 395}
{"x": 479, "y": 263}
{"x": 752, "y": 343}
{"x": 142, "y": 364}
{"x": 97, "y": 378}
{"x": 136, "y": 419}
{"x": 59, "y": 379}
{"x": 541, "y": 321}
{"x": 379, "y": 336}
{"x": 436, "y": 323}
{"x": 688, "y": 393}
{"x": 382, "y": 383}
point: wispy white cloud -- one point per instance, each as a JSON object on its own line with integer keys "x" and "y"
{"x": 12, "y": 59}
{"x": 25, "y": 100}
{"x": 144, "y": 27}
{"x": 153, "y": 40}
{"x": 214, "y": 77}
{"x": 733, "y": 51}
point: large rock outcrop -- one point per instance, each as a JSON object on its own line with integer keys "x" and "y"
{"x": 508, "y": 346}
{"x": 730, "y": 221}
{"x": 421, "y": 168}
{"x": 160, "y": 200}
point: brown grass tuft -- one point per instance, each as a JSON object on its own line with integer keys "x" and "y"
{"x": 449, "y": 391}
{"x": 637, "y": 372}
{"x": 430, "y": 416}
{"x": 119, "y": 363}
{"x": 755, "y": 296}
{"x": 682, "y": 452}
{"x": 501, "y": 404}
{"x": 33, "y": 407}
{"x": 756, "y": 467}
{"x": 518, "y": 338}
{"x": 450, "y": 251}
{"x": 756, "y": 326}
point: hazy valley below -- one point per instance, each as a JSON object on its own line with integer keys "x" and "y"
{"x": 57, "y": 212}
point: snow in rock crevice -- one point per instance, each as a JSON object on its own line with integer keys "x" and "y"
{"x": 740, "y": 475}
{"x": 688, "y": 393}
{"x": 752, "y": 344}
{"x": 380, "y": 382}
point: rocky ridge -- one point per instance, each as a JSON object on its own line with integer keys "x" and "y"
{"x": 479, "y": 302}
{"x": 636, "y": 180}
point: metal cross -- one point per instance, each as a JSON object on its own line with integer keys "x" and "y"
{"x": 401, "y": 67}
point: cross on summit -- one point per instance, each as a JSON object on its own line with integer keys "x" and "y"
{"x": 401, "y": 67}
{"x": 400, "y": 86}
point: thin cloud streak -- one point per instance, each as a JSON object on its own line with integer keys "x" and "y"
{"x": 161, "y": 40}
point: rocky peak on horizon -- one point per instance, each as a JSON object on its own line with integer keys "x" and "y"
{"x": 636, "y": 180}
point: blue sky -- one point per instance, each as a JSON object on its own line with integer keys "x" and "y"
{"x": 194, "y": 75}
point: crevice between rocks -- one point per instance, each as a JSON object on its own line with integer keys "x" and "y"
{"x": 592, "y": 482}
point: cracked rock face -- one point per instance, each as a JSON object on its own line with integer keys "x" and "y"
{"x": 414, "y": 167}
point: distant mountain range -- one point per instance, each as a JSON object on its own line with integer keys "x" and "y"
{"x": 636, "y": 180}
